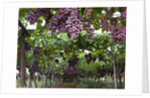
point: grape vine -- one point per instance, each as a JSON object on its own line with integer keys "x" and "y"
{"x": 71, "y": 21}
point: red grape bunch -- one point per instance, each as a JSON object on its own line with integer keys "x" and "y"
{"x": 37, "y": 13}
{"x": 89, "y": 11}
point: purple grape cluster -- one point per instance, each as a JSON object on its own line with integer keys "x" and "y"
{"x": 89, "y": 11}
{"x": 62, "y": 55}
{"x": 27, "y": 46}
{"x": 104, "y": 71}
{"x": 113, "y": 21}
{"x": 73, "y": 62}
{"x": 49, "y": 65}
{"x": 71, "y": 72}
{"x": 100, "y": 57}
{"x": 69, "y": 20}
{"x": 123, "y": 11}
{"x": 88, "y": 28}
{"x": 90, "y": 32}
{"x": 66, "y": 20}
{"x": 56, "y": 23}
{"x": 73, "y": 25}
{"x": 34, "y": 67}
{"x": 57, "y": 60}
{"x": 118, "y": 34}
{"x": 45, "y": 52}
{"x": 37, "y": 50}
{"x": 37, "y": 13}
{"x": 89, "y": 58}
{"x": 109, "y": 12}
{"x": 123, "y": 15}
{"x": 104, "y": 23}
{"x": 51, "y": 58}
{"x": 94, "y": 58}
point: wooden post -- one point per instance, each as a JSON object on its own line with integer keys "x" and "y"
{"x": 45, "y": 81}
{"x": 124, "y": 80}
{"x": 22, "y": 60}
{"x": 22, "y": 53}
{"x": 30, "y": 81}
{"x": 114, "y": 68}
{"x": 34, "y": 78}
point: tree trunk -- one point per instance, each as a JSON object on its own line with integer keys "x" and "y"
{"x": 22, "y": 60}
{"x": 45, "y": 81}
{"x": 120, "y": 82}
{"x": 124, "y": 80}
{"x": 19, "y": 79}
{"x": 28, "y": 77}
{"x": 30, "y": 81}
{"x": 114, "y": 68}
{"x": 34, "y": 78}
{"x": 115, "y": 78}
{"x": 52, "y": 79}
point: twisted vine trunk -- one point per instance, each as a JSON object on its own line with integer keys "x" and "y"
{"x": 124, "y": 80}
{"x": 52, "y": 80}
{"x": 34, "y": 78}
{"x": 22, "y": 60}
{"x": 30, "y": 81}
{"x": 114, "y": 68}
{"x": 22, "y": 53}
{"x": 45, "y": 81}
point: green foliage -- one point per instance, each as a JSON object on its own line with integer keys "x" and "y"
{"x": 88, "y": 83}
{"x": 101, "y": 43}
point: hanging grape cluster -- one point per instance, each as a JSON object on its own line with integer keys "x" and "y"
{"x": 34, "y": 67}
{"x": 118, "y": 33}
{"x": 62, "y": 55}
{"x": 88, "y": 28}
{"x": 71, "y": 69}
{"x": 71, "y": 72}
{"x": 103, "y": 72}
{"x": 100, "y": 57}
{"x": 27, "y": 46}
{"x": 104, "y": 23}
{"x": 89, "y": 11}
{"x": 37, "y": 50}
{"x": 69, "y": 20}
{"x": 90, "y": 58}
{"x": 37, "y": 13}
{"x": 73, "y": 62}
{"x": 66, "y": 20}
{"x": 123, "y": 11}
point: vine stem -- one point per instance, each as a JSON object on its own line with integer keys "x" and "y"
{"x": 114, "y": 67}
{"x": 22, "y": 59}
